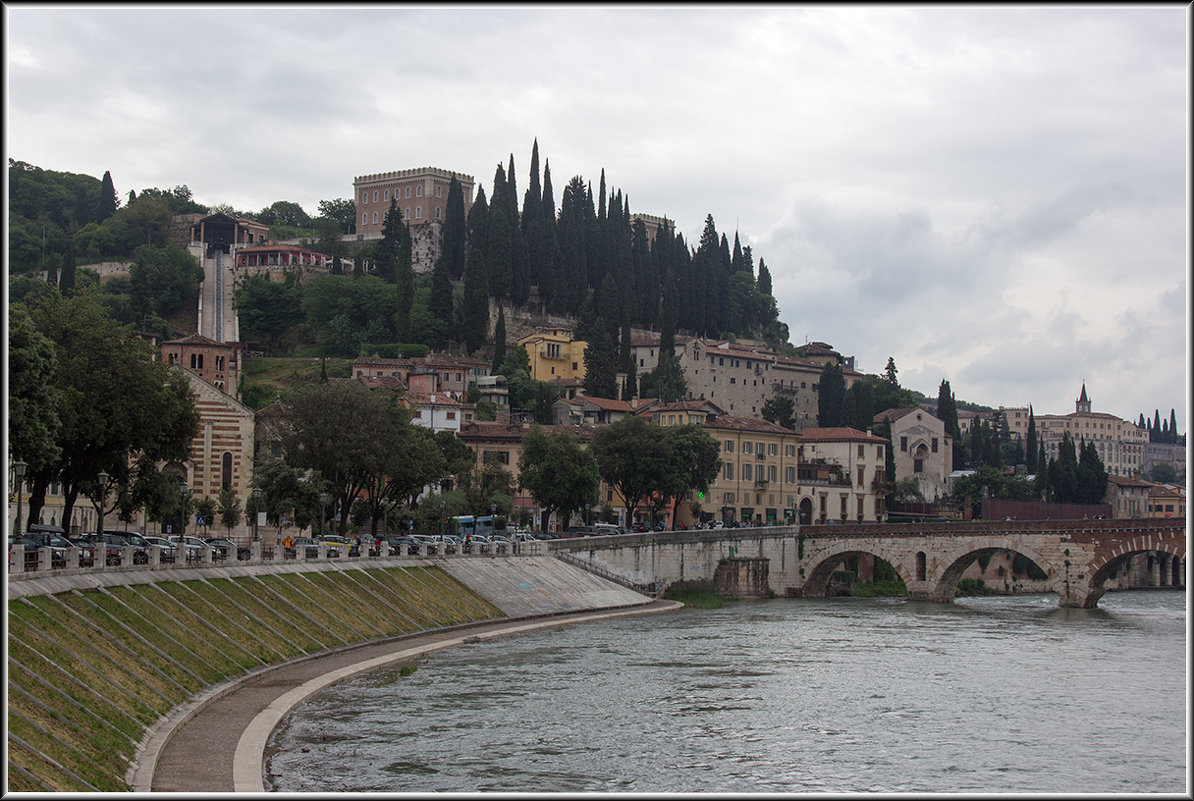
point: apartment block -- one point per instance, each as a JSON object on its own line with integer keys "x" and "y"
{"x": 1121, "y": 444}
{"x": 554, "y": 354}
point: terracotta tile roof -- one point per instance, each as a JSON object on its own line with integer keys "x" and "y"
{"x": 425, "y": 399}
{"x": 757, "y": 425}
{"x": 839, "y": 434}
{"x": 376, "y": 382}
{"x": 514, "y": 432}
{"x": 195, "y": 339}
{"x": 891, "y": 415}
{"x": 1127, "y": 481}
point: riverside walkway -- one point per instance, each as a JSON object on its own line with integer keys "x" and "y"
{"x": 217, "y": 742}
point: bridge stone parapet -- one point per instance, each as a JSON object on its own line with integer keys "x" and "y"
{"x": 1077, "y": 556}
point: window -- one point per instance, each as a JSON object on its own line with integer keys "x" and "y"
{"x": 790, "y": 476}
{"x": 747, "y": 472}
{"x": 747, "y": 447}
{"x": 419, "y": 191}
{"x": 226, "y": 471}
{"x": 418, "y": 414}
{"x": 439, "y": 191}
{"x": 496, "y": 457}
{"x": 772, "y": 473}
{"x": 729, "y": 471}
{"x": 903, "y": 443}
{"x": 729, "y": 497}
{"x": 219, "y": 362}
{"x": 729, "y": 446}
{"x": 918, "y": 465}
{"x": 418, "y": 212}
{"x": 408, "y": 191}
{"x": 934, "y": 444}
{"x": 789, "y": 451}
{"x": 860, "y": 476}
{"x": 860, "y": 453}
{"x": 406, "y": 214}
{"x": 772, "y": 449}
{"x": 375, "y": 218}
{"x": 365, "y": 218}
{"x": 451, "y": 415}
{"x": 196, "y": 361}
{"x": 374, "y": 195}
{"x": 386, "y": 195}
{"x": 437, "y": 211}
{"x": 364, "y": 197}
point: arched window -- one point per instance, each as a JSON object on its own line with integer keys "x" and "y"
{"x": 226, "y": 471}
{"x": 418, "y": 212}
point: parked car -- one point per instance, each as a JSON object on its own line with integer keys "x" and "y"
{"x": 114, "y": 545}
{"x": 337, "y": 545}
{"x": 169, "y": 550}
{"x": 430, "y": 543}
{"x": 413, "y": 546}
{"x": 30, "y": 550}
{"x": 225, "y": 547}
{"x": 194, "y": 546}
{"x": 310, "y": 548}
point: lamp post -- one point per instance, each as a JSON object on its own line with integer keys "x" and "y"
{"x": 18, "y": 473}
{"x": 102, "y": 480}
{"x": 323, "y": 502}
{"x": 256, "y": 510}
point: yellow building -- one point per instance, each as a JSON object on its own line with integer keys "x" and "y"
{"x": 555, "y": 354}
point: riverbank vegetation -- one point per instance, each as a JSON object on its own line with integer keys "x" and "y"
{"x": 90, "y": 671}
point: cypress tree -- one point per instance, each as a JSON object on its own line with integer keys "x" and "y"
{"x": 891, "y": 373}
{"x": 337, "y": 265}
{"x": 764, "y": 282}
{"x": 1173, "y": 438}
{"x": 499, "y": 339}
{"x": 52, "y": 269}
{"x": 441, "y": 298}
{"x": 455, "y": 231}
{"x": 475, "y": 306}
{"x": 66, "y": 281}
{"x": 1155, "y": 436}
{"x": 831, "y": 396}
{"x": 108, "y": 201}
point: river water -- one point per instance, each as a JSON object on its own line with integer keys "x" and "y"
{"x": 996, "y": 694}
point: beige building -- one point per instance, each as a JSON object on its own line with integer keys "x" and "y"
{"x": 554, "y": 354}
{"x": 1127, "y": 496}
{"x": 1167, "y": 500}
{"x": 759, "y": 479}
{"x": 741, "y": 378}
{"x": 421, "y": 195}
{"x": 844, "y": 476}
{"x": 921, "y": 449}
{"x": 1121, "y": 444}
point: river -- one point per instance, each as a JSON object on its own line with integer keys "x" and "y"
{"x": 994, "y": 694}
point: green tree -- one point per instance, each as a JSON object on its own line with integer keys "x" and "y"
{"x": 499, "y": 339}
{"x": 633, "y": 456}
{"x": 1030, "y": 444}
{"x": 162, "y": 279}
{"x": 108, "y": 199}
{"x": 33, "y": 400}
{"x": 831, "y": 396}
{"x": 441, "y": 303}
{"x": 558, "y": 473}
{"x": 103, "y": 426}
{"x": 342, "y": 211}
{"x": 333, "y": 429}
{"x": 269, "y": 310}
{"x": 695, "y": 462}
{"x": 781, "y": 410}
{"x": 1091, "y": 475}
{"x": 285, "y": 212}
{"x": 229, "y": 509}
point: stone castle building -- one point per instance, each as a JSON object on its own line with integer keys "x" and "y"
{"x": 421, "y": 195}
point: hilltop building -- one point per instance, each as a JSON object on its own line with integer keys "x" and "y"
{"x": 554, "y": 354}
{"x": 1120, "y": 443}
{"x": 421, "y": 195}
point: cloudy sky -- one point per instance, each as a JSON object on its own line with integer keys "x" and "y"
{"x": 992, "y": 196}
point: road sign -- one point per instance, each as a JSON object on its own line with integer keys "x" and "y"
{"x": 200, "y": 520}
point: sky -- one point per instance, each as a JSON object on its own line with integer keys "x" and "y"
{"x": 992, "y": 196}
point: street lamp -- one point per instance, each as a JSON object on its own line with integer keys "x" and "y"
{"x": 18, "y": 473}
{"x": 323, "y": 500}
{"x": 102, "y": 480}
{"x": 256, "y": 510}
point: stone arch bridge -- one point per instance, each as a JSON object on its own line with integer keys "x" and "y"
{"x": 1077, "y": 556}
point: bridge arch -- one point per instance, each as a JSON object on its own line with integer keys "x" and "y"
{"x": 816, "y": 582}
{"x": 1106, "y": 564}
{"x": 957, "y": 560}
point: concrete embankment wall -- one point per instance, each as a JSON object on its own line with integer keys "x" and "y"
{"x": 97, "y": 660}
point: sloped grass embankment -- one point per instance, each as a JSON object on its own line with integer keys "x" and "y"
{"x": 90, "y": 671}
